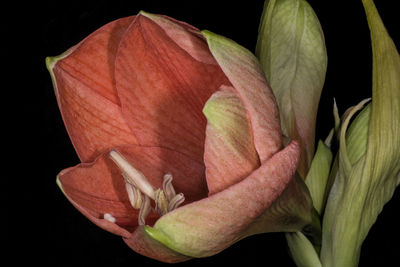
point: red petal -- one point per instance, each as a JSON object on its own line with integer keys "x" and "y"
{"x": 86, "y": 94}
{"x": 99, "y": 188}
{"x": 101, "y": 222}
{"x": 163, "y": 88}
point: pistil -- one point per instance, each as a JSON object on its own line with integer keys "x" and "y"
{"x": 134, "y": 176}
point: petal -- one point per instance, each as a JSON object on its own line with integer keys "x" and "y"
{"x": 290, "y": 212}
{"x": 142, "y": 243}
{"x": 98, "y": 188}
{"x": 205, "y": 227}
{"x": 139, "y": 241}
{"x": 229, "y": 152}
{"x": 163, "y": 88}
{"x": 84, "y": 86}
{"x": 244, "y": 72}
{"x": 97, "y": 219}
{"x": 185, "y": 36}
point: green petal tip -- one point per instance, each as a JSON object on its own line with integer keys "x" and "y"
{"x": 161, "y": 237}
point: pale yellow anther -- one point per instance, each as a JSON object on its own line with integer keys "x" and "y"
{"x": 144, "y": 210}
{"x": 133, "y": 176}
{"x": 161, "y": 202}
{"x": 134, "y": 194}
{"x": 168, "y": 188}
{"x": 176, "y": 201}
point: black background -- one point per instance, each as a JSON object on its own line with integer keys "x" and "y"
{"x": 46, "y": 229}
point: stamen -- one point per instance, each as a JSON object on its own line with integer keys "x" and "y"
{"x": 144, "y": 210}
{"x": 133, "y": 175}
{"x": 109, "y": 217}
{"x": 140, "y": 191}
{"x": 161, "y": 202}
{"x": 176, "y": 201}
{"x": 134, "y": 195}
{"x": 167, "y": 187}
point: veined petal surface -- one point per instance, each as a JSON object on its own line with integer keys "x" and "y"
{"x": 98, "y": 188}
{"x": 83, "y": 79}
{"x": 244, "y": 72}
{"x": 163, "y": 88}
{"x": 229, "y": 152}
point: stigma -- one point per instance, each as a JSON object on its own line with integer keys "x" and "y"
{"x": 140, "y": 191}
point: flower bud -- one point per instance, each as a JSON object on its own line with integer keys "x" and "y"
{"x": 291, "y": 49}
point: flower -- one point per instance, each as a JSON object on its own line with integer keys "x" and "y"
{"x": 173, "y": 182}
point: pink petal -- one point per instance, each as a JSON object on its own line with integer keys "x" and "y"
{"x": 98, "y": 188}
{"x": 83, "y": 78}
{"x": 185, "y": 36}
{"x": 229, "y": 153}
{"x": 290, "y": 212}
{"x": 140, "y": 242}
{"x": 245, "y": 73}
{"x": 163, "y": 88}
{"x": 205, "y": 227}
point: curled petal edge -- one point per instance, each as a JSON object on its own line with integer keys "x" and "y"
{"x": 201, "y": 229}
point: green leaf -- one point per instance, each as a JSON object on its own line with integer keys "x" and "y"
{"x": 369, "y": 157}
{"x": 337, "y": 181}
{"x": 357, "y": 135}
{"x": 291, "y": 49}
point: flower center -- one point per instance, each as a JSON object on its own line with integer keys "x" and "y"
{"x": 140, "y": 190}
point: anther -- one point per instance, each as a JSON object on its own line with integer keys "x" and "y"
{"x": 161, "y": 202}
{"x": 144, "y": 210}
{"x": 176, "y": 201}
{"x": 167, "y": 187}
{"x": 134, "y": 195}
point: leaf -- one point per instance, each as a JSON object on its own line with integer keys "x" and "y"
{"x": 368, "y": 175}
